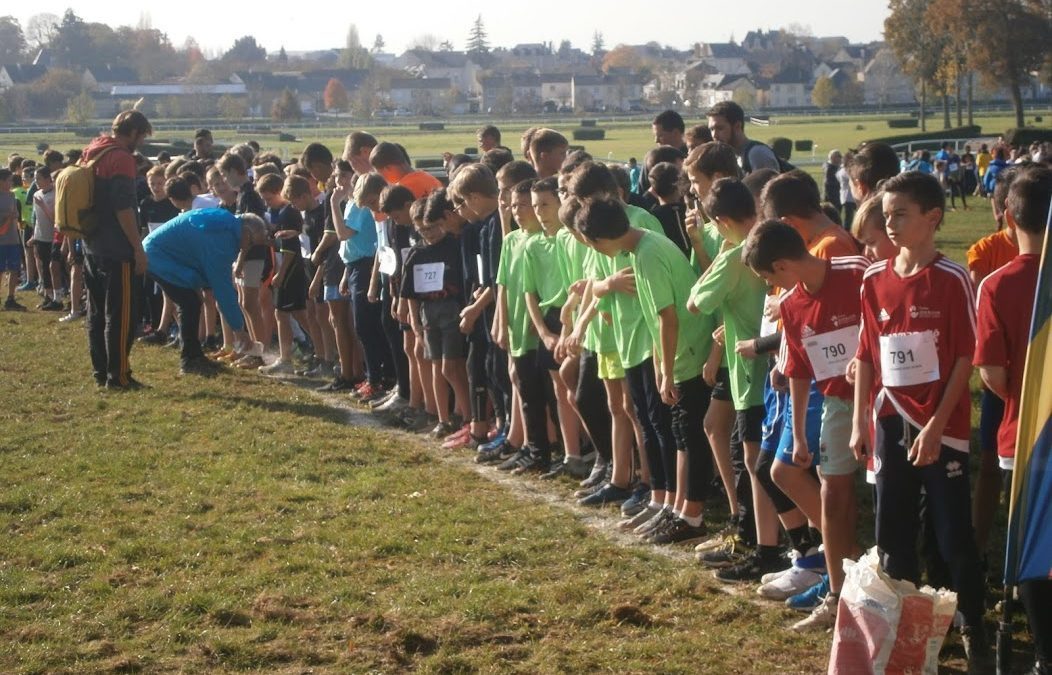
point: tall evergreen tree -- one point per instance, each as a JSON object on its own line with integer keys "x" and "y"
{"x": 477, "y": 42}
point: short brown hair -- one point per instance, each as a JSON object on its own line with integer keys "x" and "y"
{"x": 270, "y": 183}
{"x": 232, "y": 162}
{"x": 475, "y": 179}
{"x": 697, "y": 135}
{"x": 873, "y": 163}
{"x": 546, "y": 140}
{"x": 712, "y": 158}
{"x": 157, "y": 170}
{"x": 792, "y": 194}
{"x": 527, "y": 140}
{"x": 1028, "y": 199}
{"x": 591, "y": 179}
{"x": 388, "y": 154}
{"x": 923, "y": 189}
{"x": 179, "y": 189}
{"x": 515, "y": 172}
{"x": 295, "y": 186}
{"x": 356, "y": 140}
{"x": 395, "y": 197}
{"x": 131, "y": 122}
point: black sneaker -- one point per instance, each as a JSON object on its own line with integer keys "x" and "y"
{"x": 337, "y": 384}
{"x": 678, "y": 531}
{"x": 533, "y": 462}
{"x": 132, "y": 385}
{"x": 513, "y": 461}
{"x": 52, "y": 306}
{"x": 588, "y": 491}
{"x": 200, "y": 365}
{"x": 154, "y": 338}
{"x": 555, "y": 469}
{"x": 607, "y": 494}
{"x": 491, "y": 455}
{"x": 12, "y": 305}
{"x": 751, "y": 569}
{"x": 507, "y": 450}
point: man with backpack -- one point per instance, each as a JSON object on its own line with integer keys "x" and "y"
{"x": 727, "y": 124}
{"x": 114, "y": 259}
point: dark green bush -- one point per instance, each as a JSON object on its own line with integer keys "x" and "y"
{"x": 1027, "y": 135}
{"x": 432, "y": 126}
{"x": 589, "y": 134}
{"x": 805, "y": 145}
{"x": 783, "y": 147}
{"x": 910, "y": 123}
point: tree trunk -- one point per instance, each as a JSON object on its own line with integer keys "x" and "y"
{"x": 1017, "y": 102}
{"x": 945, "y": 110}
{"x": 971, "y": 101}
{"x": 960, "y": 113}
{"x": 923, "y": 104}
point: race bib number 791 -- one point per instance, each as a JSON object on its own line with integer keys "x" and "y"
{"x": 908, "y": 358}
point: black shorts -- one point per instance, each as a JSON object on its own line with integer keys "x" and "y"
{"x": 442, "y": 336}
{"x": 721, "y": 391}
{"x": 545, "y": 359}
{"x": 291, "y": 295}
{"x": 750, "y": 424}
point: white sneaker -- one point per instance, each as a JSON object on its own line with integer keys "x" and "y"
{"x": 387, "y": 398}
{"x": 629, "y": 524}
{"x": 772, "y": 576}
{"x": 394, "y": 403}
{"x": 794, "y": 580}
{"x": 822, "y": 617}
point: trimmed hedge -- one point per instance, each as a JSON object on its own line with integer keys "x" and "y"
{"x": 909, "y": 123}
{"x": 286, "y": 137}
{"x": 432, "y": 126}
{"x": 1027, "y": 135}
{"x": 430, "y": 163}
{"x": 783, "y": 147}
{"x": 589, "y": 134}
{"x": 803, "y": 145}
{"x": 973, "y": 131}
{"x": 588, "y": 123}
{"x": 471, "y": 151}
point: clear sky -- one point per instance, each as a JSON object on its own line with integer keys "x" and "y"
{"x": 215, "y": 25}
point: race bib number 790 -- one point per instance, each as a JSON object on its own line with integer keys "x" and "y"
{"x": 909, "y": 358}
{"x": 830, "y": 352}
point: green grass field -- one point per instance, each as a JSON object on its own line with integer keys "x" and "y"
{"x": 623, "y": 139}
{"x": 243, "y": 524}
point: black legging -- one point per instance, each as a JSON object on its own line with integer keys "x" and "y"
{"x": 188, "y": 301}
{"x": 393, "y": 332}
{"x": 592, "y": 404}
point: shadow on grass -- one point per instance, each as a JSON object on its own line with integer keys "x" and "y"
{"x": 318, "y": 411}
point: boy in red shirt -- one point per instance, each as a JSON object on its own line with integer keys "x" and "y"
{"x": 1005, "y": 311}
{"x": 820, "y": 317}
{"x": 917, "y": 340}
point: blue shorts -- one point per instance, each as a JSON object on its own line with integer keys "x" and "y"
{"x": 10, "y": 258}
{"x": 778, "y": 427}
{"x": 332, "y": 294}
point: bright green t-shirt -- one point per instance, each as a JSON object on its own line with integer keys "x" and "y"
{"x": 521, "y": 335}
{"x": 630, "y": 329}
{"x": 600, "y": 336}
{"x": 542, "y": 273}
{"x": 663, "y": 279}
{"x": 25, "y": 204}
{"x": 733, "y": 289}
{"x": 711, "y": 242}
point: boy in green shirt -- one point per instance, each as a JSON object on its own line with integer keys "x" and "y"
{"x": 731, "y": 287}
{"x": 545, "y": 294}
{"x": 682, "y": 343}
{"x": 516, "y": 333}
{"x": 615, "y": 288}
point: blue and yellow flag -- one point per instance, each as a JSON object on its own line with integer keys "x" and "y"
{"x": 1029, "y": 551}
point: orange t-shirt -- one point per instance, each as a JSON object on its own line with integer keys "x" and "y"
{"x": 833, "y": 242}
{"x": 420, "y": 183}
{"x": 991, "y": 252}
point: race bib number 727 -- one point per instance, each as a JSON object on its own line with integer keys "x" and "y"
{"x": 907, "y": 359}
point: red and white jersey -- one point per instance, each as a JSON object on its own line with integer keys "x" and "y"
{"x": 1005, "y": 310}
{"x": 820, "y": 330}
{"x": 914, "y": 329}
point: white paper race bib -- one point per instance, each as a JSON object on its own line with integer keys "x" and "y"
{"x": 305, "y": 246}
{"x": 830, "y": 352}
{"x": 388, "y": 261}
{"x": 767, "y": 327}
{"x": 908, "y": 358}
{"x": 427, "y": 278}
{"x": 153, "y": 226}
